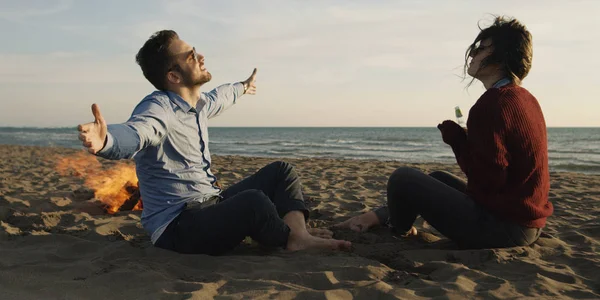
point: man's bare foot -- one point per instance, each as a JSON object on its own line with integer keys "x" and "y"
{"x": 360, "y": 223}
{"x": 305, "y": 241}
{"x": 320, "y": 232}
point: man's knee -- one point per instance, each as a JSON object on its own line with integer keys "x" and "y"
{"x": 281, "y": 165}
{"x": 282, "y": 170}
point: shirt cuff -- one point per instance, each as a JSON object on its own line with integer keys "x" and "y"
{"x": 109, "y": 144}
{"x": 239, "y": 89}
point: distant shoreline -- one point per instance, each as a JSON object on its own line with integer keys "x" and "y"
{"x": 341, "y": 161}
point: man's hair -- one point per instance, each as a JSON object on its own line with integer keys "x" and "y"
{"x": 512, "y": 48}
{"x": 155, "y": 59}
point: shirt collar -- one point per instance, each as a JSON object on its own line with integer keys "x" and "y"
{"x": 502, "y": 82}
{"x": 175, "y": 98}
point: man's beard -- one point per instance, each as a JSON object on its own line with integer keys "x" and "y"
{"x": 189, "y": 81}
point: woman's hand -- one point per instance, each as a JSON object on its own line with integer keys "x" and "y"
{"x": 452, "y": 133}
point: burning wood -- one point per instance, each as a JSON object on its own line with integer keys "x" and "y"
{"x": 116, "y": 187}
{"x": 134, "y": 200}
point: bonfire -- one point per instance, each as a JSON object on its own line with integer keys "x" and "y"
{"x": 116, "y": 186}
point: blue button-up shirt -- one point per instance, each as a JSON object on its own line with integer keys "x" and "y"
{"x": 168, "y": 140}
{"x": 502, "y": 82}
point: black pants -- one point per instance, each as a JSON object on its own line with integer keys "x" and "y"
{"x": 441, "y": 200}
{"x": 253, "y": 207}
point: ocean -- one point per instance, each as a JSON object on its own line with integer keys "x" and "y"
{"x": 570, "y": 149}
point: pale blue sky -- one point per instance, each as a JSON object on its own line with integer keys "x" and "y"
{"x": 320, "y": 63}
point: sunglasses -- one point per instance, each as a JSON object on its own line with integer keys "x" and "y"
{"x": 193, "y": 55}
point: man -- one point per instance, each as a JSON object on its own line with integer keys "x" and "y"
{"x": 168, "y": 138}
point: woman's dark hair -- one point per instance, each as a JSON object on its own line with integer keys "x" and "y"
{"x": 155, "y": 59}
{"x": 512, "y": 48}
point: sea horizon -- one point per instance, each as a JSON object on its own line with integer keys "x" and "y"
{"x": 574, "y": 149}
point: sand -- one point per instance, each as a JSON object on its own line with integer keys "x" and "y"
{"x": 56, "y": 242}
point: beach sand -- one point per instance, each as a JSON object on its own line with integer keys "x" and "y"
{"x": 56, "y": 242}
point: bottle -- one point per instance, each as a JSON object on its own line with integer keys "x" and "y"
{"x": 459, "y": 116}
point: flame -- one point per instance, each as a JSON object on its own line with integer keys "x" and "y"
{"x": 139, "y": 205}
{"x": 113, "y": 186}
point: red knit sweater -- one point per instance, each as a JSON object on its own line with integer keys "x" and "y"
{"x": 505, "y": 156}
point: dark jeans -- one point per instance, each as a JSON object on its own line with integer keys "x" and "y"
{"x": 441, "y": 200}
{"x": 253, "y": 207}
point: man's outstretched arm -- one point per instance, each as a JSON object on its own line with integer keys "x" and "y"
{"x": 146, "y": 126}
{"x": 224, "y": 96}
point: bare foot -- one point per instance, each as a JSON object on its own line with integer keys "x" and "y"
{"x": 306, "y": 241}
{"x": 360, "y": 223}
{"x": 411, "y": 232}
{"x": 320, "y": 232}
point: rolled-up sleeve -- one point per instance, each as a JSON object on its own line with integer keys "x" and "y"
{"x": 147, "y": 126}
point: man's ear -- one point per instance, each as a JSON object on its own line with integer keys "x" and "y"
{"x": 173, "y": 77}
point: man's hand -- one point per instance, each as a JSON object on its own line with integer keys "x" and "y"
{"x": 452, "y": 132}
{"x": 250, "y": 84}
{"x": 93, "y": 135}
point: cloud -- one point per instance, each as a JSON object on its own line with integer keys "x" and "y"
{"x": 328, "y": 49}
{"x": 388, "y": 60}
{"x": 371, "y": 13}
{"x": 67, "y": 67}
{"x": 18, "y": 11}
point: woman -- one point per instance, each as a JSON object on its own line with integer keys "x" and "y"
{"x": 504, "y": 155}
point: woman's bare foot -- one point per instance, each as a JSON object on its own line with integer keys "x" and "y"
{"x": 305, "y": 241}
{"x": 320, "y": 232}
{"x": 411, "y": 232}
{"x": 360, "y": 223}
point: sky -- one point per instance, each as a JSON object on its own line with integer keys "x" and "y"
{"x": 320, "y": 63}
